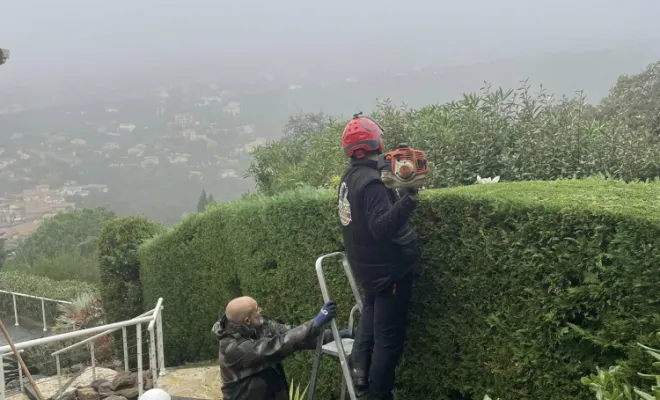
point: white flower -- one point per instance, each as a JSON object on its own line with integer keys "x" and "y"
{"x": 481, "y": 180}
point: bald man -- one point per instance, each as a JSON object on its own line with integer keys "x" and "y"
{"x": 252, "y": 349}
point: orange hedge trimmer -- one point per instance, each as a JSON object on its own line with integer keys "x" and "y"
{"x": 405, "y": 167}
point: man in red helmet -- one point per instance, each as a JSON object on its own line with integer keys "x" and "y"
{"x": 383, "y": 252}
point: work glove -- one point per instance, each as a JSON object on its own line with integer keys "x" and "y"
{"x": 328, "y": 312}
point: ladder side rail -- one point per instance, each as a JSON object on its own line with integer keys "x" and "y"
{"x": 333, "y": 324}
{"x": 311, "y": 391}
{"x": 351, "y": 279}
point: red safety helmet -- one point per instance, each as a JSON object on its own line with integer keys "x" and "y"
{"x": 362, "y": 133}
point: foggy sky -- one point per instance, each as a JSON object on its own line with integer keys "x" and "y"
{"x": 93, "y": 39}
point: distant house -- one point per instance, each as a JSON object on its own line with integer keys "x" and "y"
{"x": 189, "y": 134}
{"x": 149, "y": 160}
{"x": 78, "y": 142}
{"x": 127, "y": 127}
{"x": 178, "y": 159}
{"x": 94, "y": 187}
{"x": 135, "y": 151}
{"x": 233, "y": 108}
{"x": 227, "y": 173}
{"x": 183, "y": 119}
{"x": 247, "y": 129}
{"x": 110, "y": 146}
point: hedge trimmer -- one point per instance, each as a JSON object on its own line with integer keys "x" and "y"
{"x": 404, "y": 168}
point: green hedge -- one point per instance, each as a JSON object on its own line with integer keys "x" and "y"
{"x": 120, "y": 266}
{"x": 525, "y": 286}
{"x": 34, "y": 285}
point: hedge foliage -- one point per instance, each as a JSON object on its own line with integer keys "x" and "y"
{"x": 15, "y": 281}
{"x": 120, "y": 266}
{"x": 526, "y": 286}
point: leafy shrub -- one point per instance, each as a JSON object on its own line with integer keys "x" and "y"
{"x": 61, "y": 267}
{"x": 64, "y": 247}
{"x": 615, "y": 383}
{"x": 526, "y": 287}
{"x": 120, "y": 266}
{"x": 15, "y": 281}
{"x": 65, "y": 233}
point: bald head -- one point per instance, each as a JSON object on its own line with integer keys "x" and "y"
{"x": 244, "y": 311}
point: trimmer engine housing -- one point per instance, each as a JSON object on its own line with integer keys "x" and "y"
{"x": 405, "y": 167}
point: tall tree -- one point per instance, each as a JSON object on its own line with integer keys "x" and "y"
{"x": 2, "y": 252}
{"x": 203, "y": 201}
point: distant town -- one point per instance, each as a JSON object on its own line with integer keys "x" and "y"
{"x": 21, "y": 214}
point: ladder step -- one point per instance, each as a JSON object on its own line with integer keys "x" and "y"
{"x": 331, "y": 348}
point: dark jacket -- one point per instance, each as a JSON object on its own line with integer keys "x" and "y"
{"x": 379, "y": 242}
{"x": 251, "y": 359}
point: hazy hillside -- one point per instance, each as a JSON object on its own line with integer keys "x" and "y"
{"x": 594, "y": 72}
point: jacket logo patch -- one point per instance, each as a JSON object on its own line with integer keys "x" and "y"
{"x": 344, "y": 207}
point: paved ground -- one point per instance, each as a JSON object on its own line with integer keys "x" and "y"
{"x": 26, "y": 331}
{"x": 199, "y": 383}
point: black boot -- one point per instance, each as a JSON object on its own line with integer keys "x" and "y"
{"x": 360, "y": 379}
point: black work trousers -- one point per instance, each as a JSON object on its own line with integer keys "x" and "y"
{"x": 381, "y": 333}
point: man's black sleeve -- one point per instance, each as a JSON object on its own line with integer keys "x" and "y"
{"x": 384, "y": 218}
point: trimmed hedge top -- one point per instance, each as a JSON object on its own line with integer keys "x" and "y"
{"x": 525, "y": 287}
{"x": 593, "y": 195}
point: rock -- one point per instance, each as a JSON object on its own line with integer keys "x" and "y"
{"x": 115, "y": 397}
{"x": 69, "y": 395}
{"x": 87, "y": 393}
{"x": 147, "y": 374}
{"x": 118, "y": 365}
{"x": 130, "y": 393}
{"x": 148, "y": 384}
{"x": 105, "y": 389}
{"x": 123, "y": 380}
{"x": 95, "y": 384}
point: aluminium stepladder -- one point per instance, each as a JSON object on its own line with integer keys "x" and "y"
{"x": 340, "y": 348}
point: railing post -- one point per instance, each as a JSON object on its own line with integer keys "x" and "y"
{"x": 125, "y": 340}
{"x": 43, "y": 313}
{"x": 91, "y": 350}
{"x": 161, "y": 345}
{"x": 59, "y": 374}
{"x": 138, "y": 329}
{"x": 152, "y": 356}
{"x": 13, "y": 296}
{"x": 2, "y": 377}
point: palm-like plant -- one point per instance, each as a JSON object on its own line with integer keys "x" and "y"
{"x": 297, "y": 395}
{"x": 611, "y": 384}
{"x": 84, "y": 312}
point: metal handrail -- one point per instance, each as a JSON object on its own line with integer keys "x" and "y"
{"x": 43, "y": 306}
{"x": 72, "y": 335}
{"x": 99, "y": 335}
